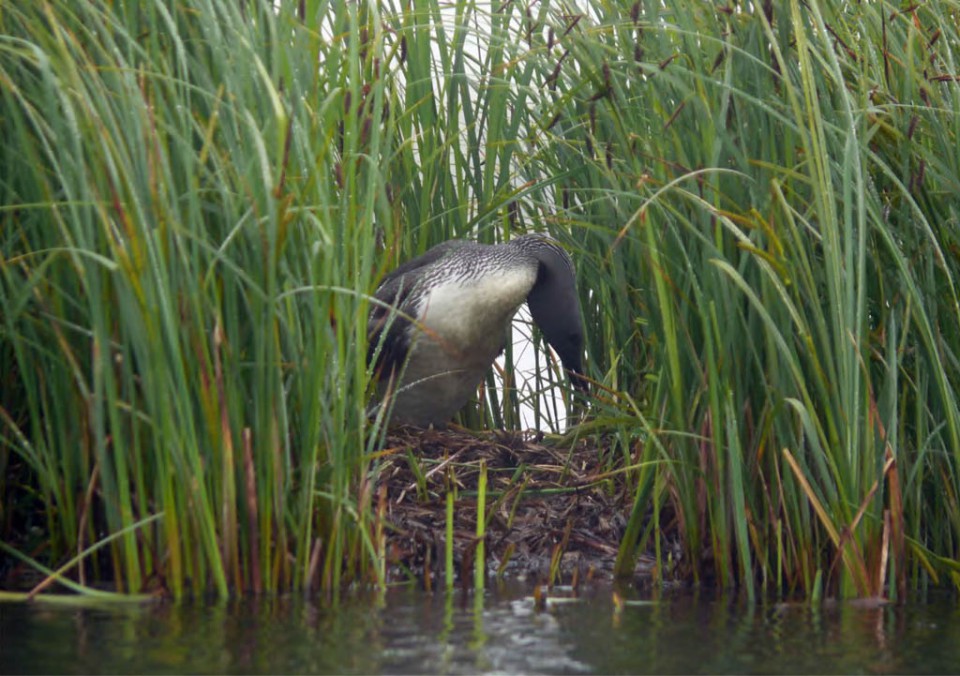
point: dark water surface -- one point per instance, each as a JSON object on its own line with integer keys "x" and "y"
{"x": 409, "y": 631}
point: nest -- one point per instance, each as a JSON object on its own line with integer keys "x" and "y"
{"x": 551, "y": 514}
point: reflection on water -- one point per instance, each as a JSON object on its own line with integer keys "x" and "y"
{"x": 409, "y": 631}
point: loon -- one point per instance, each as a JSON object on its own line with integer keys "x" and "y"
{"x": 439, "y": 321}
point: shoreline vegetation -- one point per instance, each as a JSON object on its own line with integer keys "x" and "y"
{"x": 762, "y": 201}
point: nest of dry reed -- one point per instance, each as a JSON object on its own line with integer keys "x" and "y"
{"x": 552, "y": 515}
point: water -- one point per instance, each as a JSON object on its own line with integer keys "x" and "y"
{"x": 409, "y": 631}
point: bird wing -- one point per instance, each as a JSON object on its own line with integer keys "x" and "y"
{"x": 388, "y": 337}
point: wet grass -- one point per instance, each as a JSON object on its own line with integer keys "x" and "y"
{"x": 761, "y": 201}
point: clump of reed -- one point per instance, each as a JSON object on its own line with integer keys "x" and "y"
{"x": 191, "y": 196}
{"x": 768, "y": 195}
{"x": 761, "y": 200}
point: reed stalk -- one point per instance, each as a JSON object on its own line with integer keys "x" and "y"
{"x": 480, "y": 557}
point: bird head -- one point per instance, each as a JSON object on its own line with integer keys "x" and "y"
{"x": 554, "y": 304}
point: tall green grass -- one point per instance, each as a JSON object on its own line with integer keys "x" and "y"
{"x": 767, "y": 196}
{"x": 761, "y": 199}
{"x": 190, "y": 196}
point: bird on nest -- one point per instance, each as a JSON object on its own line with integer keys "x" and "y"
{"x": 439, "y": 321}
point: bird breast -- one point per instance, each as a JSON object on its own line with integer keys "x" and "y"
{"x": 470, "y": 313}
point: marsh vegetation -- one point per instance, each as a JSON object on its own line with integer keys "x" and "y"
{"x": 197, "y": 198}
